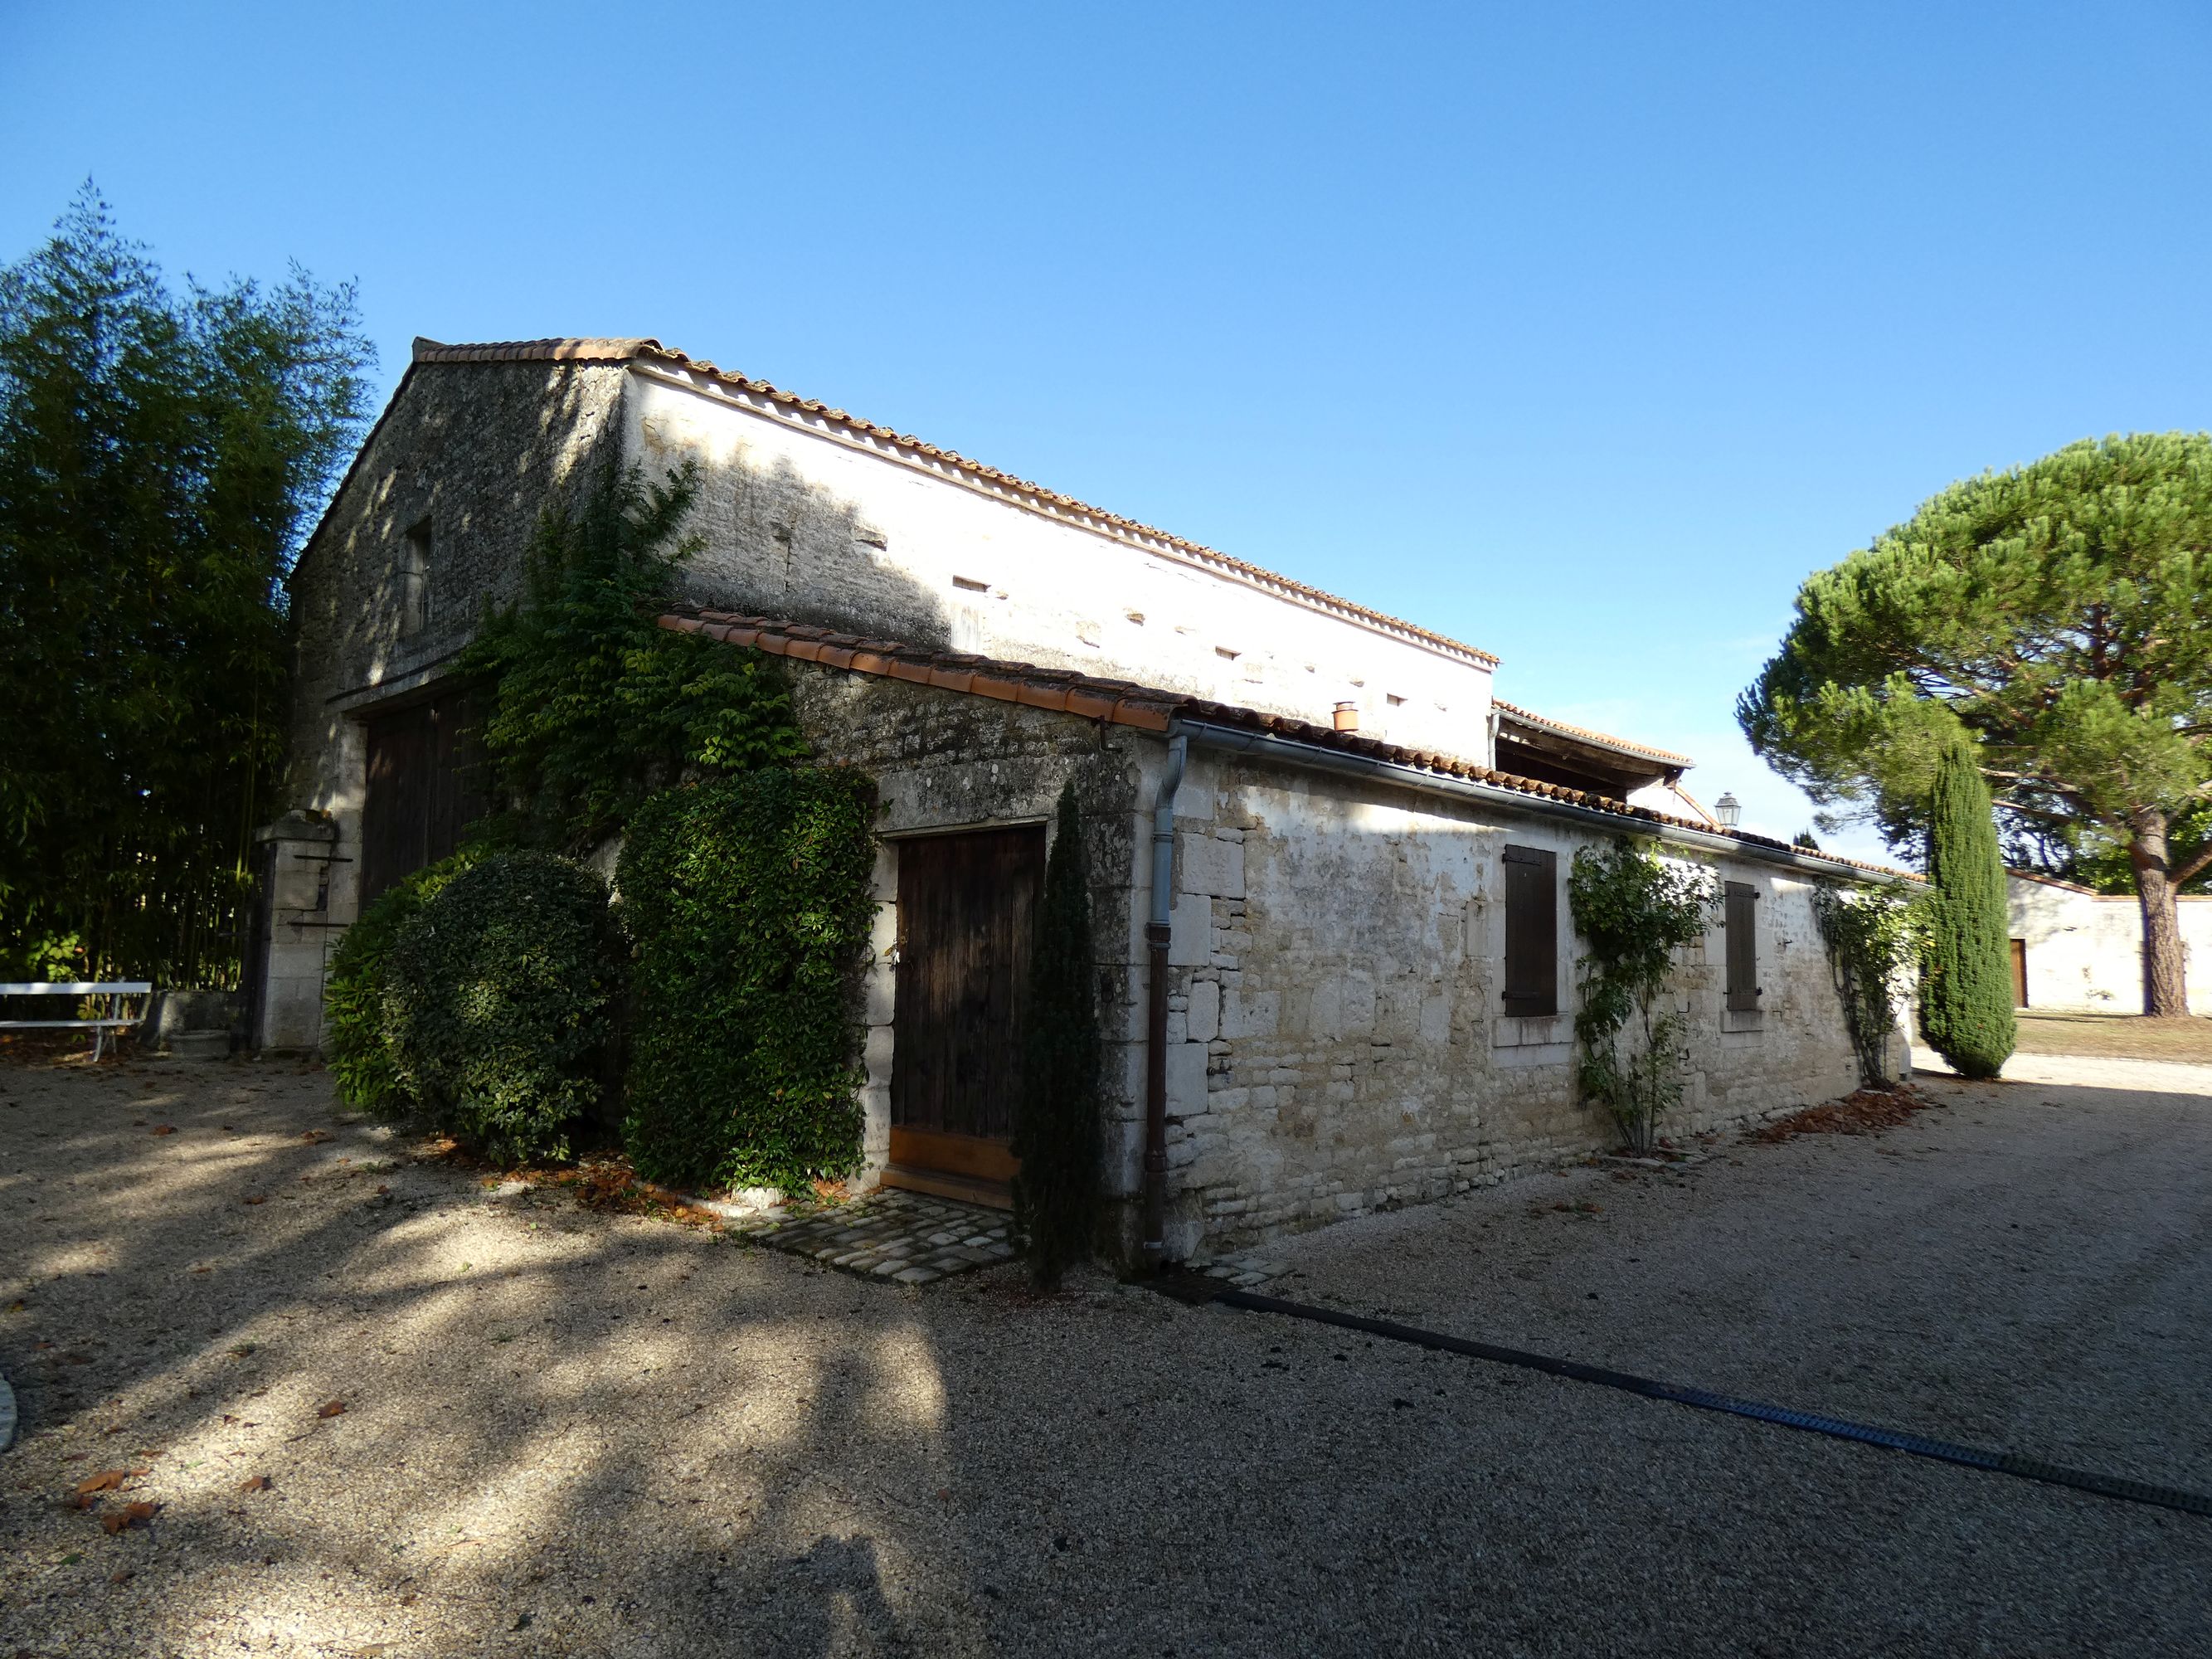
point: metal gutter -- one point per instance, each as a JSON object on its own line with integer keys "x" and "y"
{"x": 1291, "y": 752}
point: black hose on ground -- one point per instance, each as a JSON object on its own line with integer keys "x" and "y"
{"x": 1944, "y": 1451}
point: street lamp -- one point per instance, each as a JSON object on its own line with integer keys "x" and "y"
{"x": 1729, "y": 811}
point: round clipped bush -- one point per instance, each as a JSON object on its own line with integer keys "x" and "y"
{"x": 356, "y": 1036}
{"x": 500, "y": 998}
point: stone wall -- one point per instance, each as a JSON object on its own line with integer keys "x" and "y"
{"x": 1337, "y": 1043}
{"x": 473, "y": 454}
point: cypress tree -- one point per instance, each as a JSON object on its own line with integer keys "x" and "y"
{"x": 1056, "y": 1117}
{"x": 1966, "y": 1010}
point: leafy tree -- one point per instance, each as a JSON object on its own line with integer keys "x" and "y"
{"x": 1056, "y": 1115}
{"x": 160, "y": 456}
{"x": 1965, "y": 1004}
{"x": 594, "y": 706}
{"x": 2059, "y": 614}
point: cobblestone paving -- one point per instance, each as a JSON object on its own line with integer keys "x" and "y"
{"x": 906, "y": 1237}
{"x": 1243, "y": 1271}
{"x": 911, "y": 1239}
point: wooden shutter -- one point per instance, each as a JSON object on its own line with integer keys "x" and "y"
{"x": 1742, "y": 945}
{"x": 1532, "y": 932}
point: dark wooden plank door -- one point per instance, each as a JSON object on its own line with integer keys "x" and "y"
{"x": 425, "y": 788}
{"x": 2019, "y": 973}
{"x": 967, "y": 920}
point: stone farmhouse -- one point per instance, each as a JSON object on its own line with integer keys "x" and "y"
{"x": 1329, "y": 865}
{"x": 2075, "y": 950}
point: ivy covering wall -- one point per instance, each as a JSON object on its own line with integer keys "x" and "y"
{"x": 748, "y": 897}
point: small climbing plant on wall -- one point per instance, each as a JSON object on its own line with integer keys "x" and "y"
{"x": 1873, "y": 940}
{"x": 1634, "y": 911}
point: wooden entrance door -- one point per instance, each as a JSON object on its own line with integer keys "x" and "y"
{"x": 2019, "y": 973}
{"x": 967, "y": 919}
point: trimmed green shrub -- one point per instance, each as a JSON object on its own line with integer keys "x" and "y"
{"x": 357, "y": 1034}
{"x": 748, "y": 898}
{"x": 1965, "y": 1004}
{"x": 1056, "y": 1113}
{"x": 500, "y": 993}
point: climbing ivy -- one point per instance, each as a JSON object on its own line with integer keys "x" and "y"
{"x": 1056, "y": 1115}
{"x": 1873, "y": 940}
{"x": 1634, "y": 910}
{"x": 748, "y": 896}
{"x": 594, "y": 705}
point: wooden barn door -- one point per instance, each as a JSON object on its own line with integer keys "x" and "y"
{"x": 967, "y": 917}
{"x": 425, "y": 788}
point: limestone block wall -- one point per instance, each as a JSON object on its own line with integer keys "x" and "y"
{"x": 2085, "y": 950}
{"x": 802, "y": 520}
{"x": 1337, "y": 1042}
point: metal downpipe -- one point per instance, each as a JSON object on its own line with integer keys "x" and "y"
{"x": 1158, "y": 929}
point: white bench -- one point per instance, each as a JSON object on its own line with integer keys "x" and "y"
{"x": 114, "y": 990}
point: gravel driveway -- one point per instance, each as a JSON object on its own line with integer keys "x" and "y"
{"x": 568, "y": 1432}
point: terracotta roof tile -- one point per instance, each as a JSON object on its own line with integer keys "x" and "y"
{"x": 631, "y": 350}
{"x": 1151, "y": 710}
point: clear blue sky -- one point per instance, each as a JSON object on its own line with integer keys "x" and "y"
{"x": 1579, "y": 333}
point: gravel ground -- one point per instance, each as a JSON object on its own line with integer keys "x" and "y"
{"x": 568, "y": 1432}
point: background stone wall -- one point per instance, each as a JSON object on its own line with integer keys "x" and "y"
{"x": 799, "y": 524}
{"x": 2085, "y": 950}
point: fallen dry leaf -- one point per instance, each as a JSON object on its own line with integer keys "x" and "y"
{"x": 258, "y": 1199}
{"x": 120, "y": 1576}
{"x": 164, "y": 1129}
{"x": 334, "y": 1408}
{"x": 254, "y": 1482}
{"x": 130, "y": 1515}
{"x": 106, "y": 1480}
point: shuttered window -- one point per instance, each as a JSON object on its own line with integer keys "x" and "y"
{"x": 1532, "y": 932}
{"x": 1742, "y": 947}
